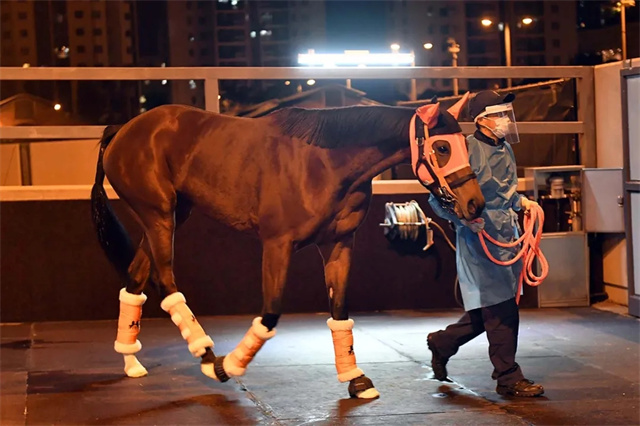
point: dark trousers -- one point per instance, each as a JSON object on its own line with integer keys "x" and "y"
{"x": 501, "y": 323}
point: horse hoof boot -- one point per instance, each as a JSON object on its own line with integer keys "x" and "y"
{"x": 362, "y": 387}
{"x": 218, "y": 369}
{"x": 133, "y": 368}
{"x": 211, "y": 366}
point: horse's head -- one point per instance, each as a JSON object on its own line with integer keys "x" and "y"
{"x": 441, "y": 162}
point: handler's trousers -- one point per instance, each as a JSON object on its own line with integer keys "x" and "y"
{"x": 501, "y": 323}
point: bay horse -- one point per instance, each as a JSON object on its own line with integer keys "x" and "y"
{"x": 293, "y": 178}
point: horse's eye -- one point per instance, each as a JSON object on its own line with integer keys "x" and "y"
{"x": 443, "y": 149}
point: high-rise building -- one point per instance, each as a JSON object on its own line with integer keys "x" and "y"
{"x": 426, "y": 28}
{"x": 547, "y": 37}
{"x": 65, "y": 33}
{"x": 239, "y": 33}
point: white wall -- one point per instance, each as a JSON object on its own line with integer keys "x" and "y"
{"x": 608, "y": 112}
{"x": 64, "y": 163}
{"x": 10, "y": 164}
{"x": 52, "y": 163}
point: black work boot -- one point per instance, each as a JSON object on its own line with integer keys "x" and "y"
{"x": 524, "y": 388}
{"x": 438, "y": 362}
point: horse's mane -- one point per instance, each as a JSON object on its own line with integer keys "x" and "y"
{"x": 354, "y": 125}
{"x": 345, "y": 126}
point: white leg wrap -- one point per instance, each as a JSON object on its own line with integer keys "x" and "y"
{"x": 345, "y": 358}
{"x": 340, "y": 325}
{"x": 132, "y": 299}
{"x": 350, "y": 375}
{"x": 171, "y": 300}
{"x": 198, "y": 347}
{"x": 190, "y": 330}
{"x": 235, "y": 364}
{"x": 128, "y": 329}
{"x": 125, "y": 349}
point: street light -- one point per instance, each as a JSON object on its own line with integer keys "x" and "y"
{"x": 507, "y": 42}
{"x": 527, "y": 21}
{"x": 413, "y": 93}
{"x": 623, "y": 24}
{"x": 428, "y": 46}
{"x": 454, "y": 49}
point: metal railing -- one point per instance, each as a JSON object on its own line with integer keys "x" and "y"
{"x": 584, "y": 127}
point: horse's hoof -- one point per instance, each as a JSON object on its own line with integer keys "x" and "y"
{"x": 214, "y": 369}
{"x": 133, "y": 368}
{"x": 362, "y": 387}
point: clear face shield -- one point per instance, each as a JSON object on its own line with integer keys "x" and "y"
{"x": 504, "y": 122}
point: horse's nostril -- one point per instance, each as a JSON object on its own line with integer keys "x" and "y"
{"x": 471, "y": 207}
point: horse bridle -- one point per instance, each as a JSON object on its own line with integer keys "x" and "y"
{"x": 439, "y": 187}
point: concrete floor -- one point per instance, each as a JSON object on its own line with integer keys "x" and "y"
{"x": 67, "y": 373}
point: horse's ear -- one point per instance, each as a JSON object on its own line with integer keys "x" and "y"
{"x": 455, "y": 109}
{"x": 429, "y": 114}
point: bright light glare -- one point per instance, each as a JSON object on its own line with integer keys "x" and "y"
{"x": 486, "y": 22}
{"x": 164, "y": 82}
{"x": 353, "y": 59}
{"x": 428, "y": 46}
{"x": 311, "y": 82}
{"x": 57, "y": 107}
{"x": 395, "y": 47}
{"x": 286, "y": 83}
{"x": 527, "y": 20}
{"x": 26, "y": 65}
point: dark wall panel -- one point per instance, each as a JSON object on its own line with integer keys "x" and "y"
{"x": 52, "y": 267}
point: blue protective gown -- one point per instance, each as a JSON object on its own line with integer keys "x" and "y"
{"x": 482, "y": 282}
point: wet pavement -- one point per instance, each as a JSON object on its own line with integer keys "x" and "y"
{"x": 66, "y": 373}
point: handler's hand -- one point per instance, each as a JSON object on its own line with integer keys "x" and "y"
{"x": 476, "y": 226}
{"x": 527, "y": 204}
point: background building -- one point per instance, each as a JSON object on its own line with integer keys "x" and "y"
{"x": 550, "y": 38}
{"x": 239, "y": 33}
{"x": 71, "y": 33}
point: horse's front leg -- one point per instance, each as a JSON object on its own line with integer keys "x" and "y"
{"x": 276, "y": 255}
{"x": 337, "y": 262}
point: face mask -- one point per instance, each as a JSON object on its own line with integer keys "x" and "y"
{"x": 501, "y": 127}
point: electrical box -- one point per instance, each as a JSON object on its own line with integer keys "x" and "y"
{"x": 560, "y": 192}
{"x": 603, "y": 196}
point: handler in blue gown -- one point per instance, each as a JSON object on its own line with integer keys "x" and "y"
{"x": 488, "y": 290}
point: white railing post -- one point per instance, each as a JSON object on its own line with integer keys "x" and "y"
{"x": 211, "y": 94}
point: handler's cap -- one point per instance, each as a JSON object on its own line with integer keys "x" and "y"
{"x": 481, "y": 100}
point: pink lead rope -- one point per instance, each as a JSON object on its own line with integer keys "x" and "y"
{"x": 530, "y": 240}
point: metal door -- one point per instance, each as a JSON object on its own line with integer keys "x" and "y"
{"x": 630, "y": 86}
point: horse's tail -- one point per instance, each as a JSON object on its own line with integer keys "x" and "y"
{"x": 113, "y": 238}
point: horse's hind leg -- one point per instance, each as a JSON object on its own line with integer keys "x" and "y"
{"x": 276, "y": 255}
{"x": 159, "y": 225}
{"x": 131, "y": 301}
{"x": 337, "y": 258}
